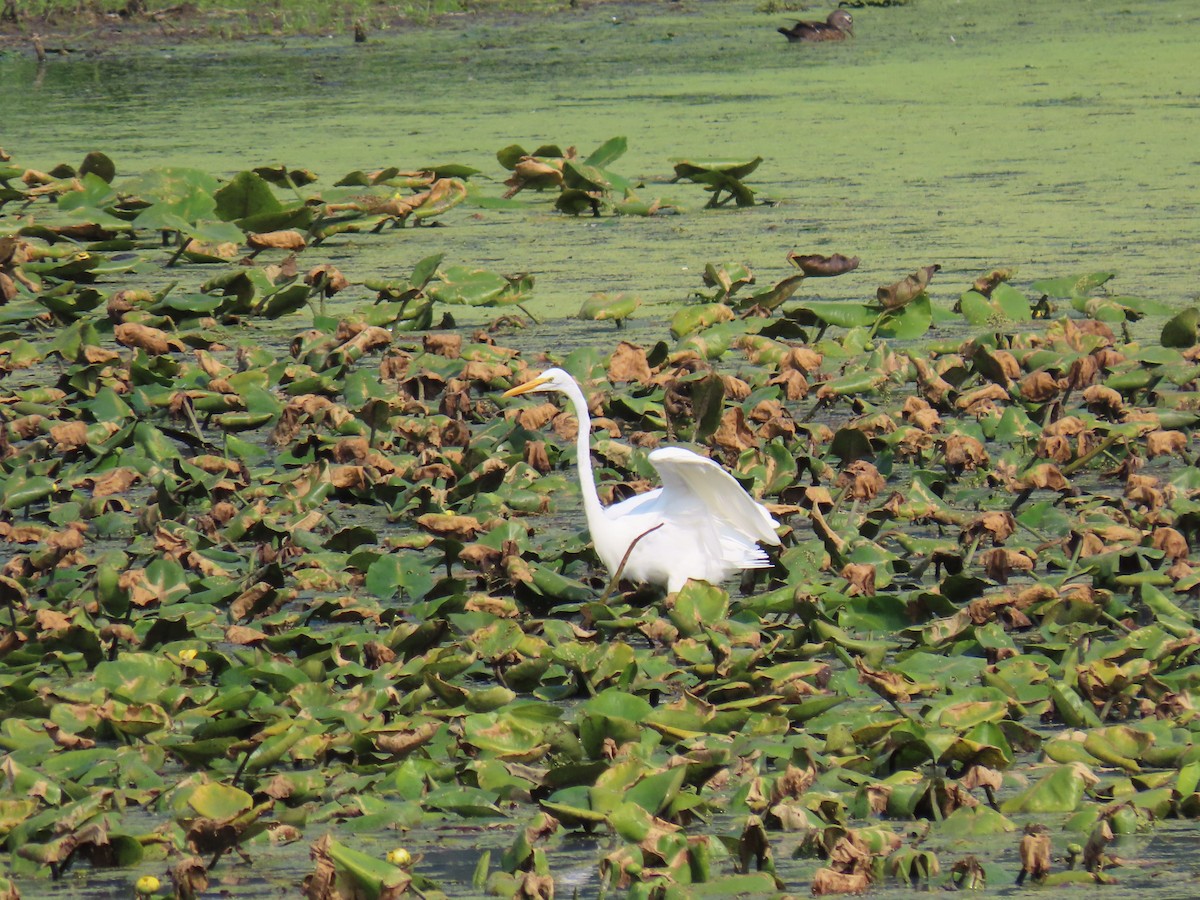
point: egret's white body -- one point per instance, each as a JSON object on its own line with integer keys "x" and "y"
{"x": 700, "y": 524}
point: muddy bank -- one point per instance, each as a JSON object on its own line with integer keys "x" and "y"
{"x": 90, "y": 31}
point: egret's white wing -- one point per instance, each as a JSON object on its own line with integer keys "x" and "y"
{"x": 691, "y": 482}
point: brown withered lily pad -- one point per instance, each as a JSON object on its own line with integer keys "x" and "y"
{"x": 463, "y": 528}
{"x": 276, "y": 240}
{"x": 814, "y": 265}
{"x": 900, "y": 293}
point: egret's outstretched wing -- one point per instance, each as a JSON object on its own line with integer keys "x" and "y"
{"x": 688, "y": 477}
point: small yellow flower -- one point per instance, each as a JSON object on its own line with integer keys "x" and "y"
{"x": 400, "y": 857}
{"x": 187, "y": 655}
{"x": 147, "y": 884}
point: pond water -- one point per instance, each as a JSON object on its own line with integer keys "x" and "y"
{"x": 970, "y": 134}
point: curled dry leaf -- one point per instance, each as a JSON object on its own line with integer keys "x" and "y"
{"x": 8, "y": 288}
{"x": 815, "y": 265}
{"x": 531, "y": 171}
{"x": 861, "y": 480}
{"x": 770, "y": 412}
{"x": 70, "y": 538}
{"x": 852, "y": 854}
{"x": 566, "y": 426}
{"x": 517, "y": 570}
{"x": 535, "y": 456}
{"x": 1035, "y": 853}
{"x": 817, "y": 496}
{"x": 320, "y": 884}
{"x": 327, "y": 278}
{"x": 801, "y": 359}
{"x": 795, "y": 385}
{"x": 1067, "y": 426}
{"x": 463, "y": 528}
{"x": 964, "y": 453}
{"x": 1158, "y": 443}
{"x": 354, "y": 478}
{"x": 985, "y": 284}
{"x": 628, "y": 363}
{"x": 69, "y": 436}
{"x": 25, "y": 427}
{"x": 735, "y": 389}
{"x": 120, "y": 634}
{"x": 982, "y": 401}
{"x": 1104, "y": 401}
{"x": 861, "y": 577}
{"x": 889, "y": 685}
{"x": 829, "y": 881}
{"x": 370, "y": 338}
{"x": 982, "y": 777}
{"x": 49, "y": 621}
{"x": 479, "y": 557}
{"x": 190, "y": 878}
{"x": 223, "y": 250}
{"x": 141, "y": 594}
{"x": 935, "y": 389}
{"x": 444, "y": 344}
{"x": 913, "y": 444}
{"x": 1045, "y": 476}
{"x": 65, "y": 739}
{"x": 250, "y": 602}
{"x": 1173, "y": 544}
{"x": 284, "y": 271}
{"x": 376, "y": 654}
{"x": 1143, "y": 490}
{"x": 1000, "y": 563}
{"x": 903, "y": 292}
{"x": 244, "y": 636}
{"x": 276, "y": 240}
{"x": 996, "y": 526}
{"x": 22, "y": 534}
{"x": 143, "y": 337}
{"x": 1010, "y": 367}
{"x": 1083, "y": 372}
{"x": 532, "y": 886}
{"x": 1094, "y": 857}
{"x": 921, "y": 414}
{"x": 1055, "y": 448}
{"x": 874, "y": 426}
{"x": 733, "y": 433}
{"x": 1039, "y": 387}
{"x": 499, "y": 607}
{"x": 534, "y": 418}
{"x": 403, "y": 741}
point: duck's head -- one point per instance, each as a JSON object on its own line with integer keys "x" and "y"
{"x": 841, "y": 20}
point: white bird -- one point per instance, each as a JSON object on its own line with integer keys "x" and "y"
{"x": 700, "y": 524}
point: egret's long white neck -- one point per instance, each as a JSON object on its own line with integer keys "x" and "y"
{"x": 583, "y": 453}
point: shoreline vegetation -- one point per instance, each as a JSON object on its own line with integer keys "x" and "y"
{"x": 62, "y": 27}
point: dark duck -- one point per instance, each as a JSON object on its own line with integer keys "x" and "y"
{"x": 836, "y": 27}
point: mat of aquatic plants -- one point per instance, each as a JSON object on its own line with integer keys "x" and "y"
{"x": 292, "y": 600}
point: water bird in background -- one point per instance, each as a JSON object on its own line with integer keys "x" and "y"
{"x": 700, "y": 524}
{"x": 837, "y": 26}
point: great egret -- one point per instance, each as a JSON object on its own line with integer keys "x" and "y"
{"x": 700, "y": 524}
{"x": 836, "y": 27}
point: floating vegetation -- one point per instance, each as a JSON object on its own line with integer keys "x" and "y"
{"x": 258, "y": 593}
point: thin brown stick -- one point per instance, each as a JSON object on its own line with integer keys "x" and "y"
{"x": 624, "y": 559}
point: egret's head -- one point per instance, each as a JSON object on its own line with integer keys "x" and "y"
{"x": 550, "y": 380}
